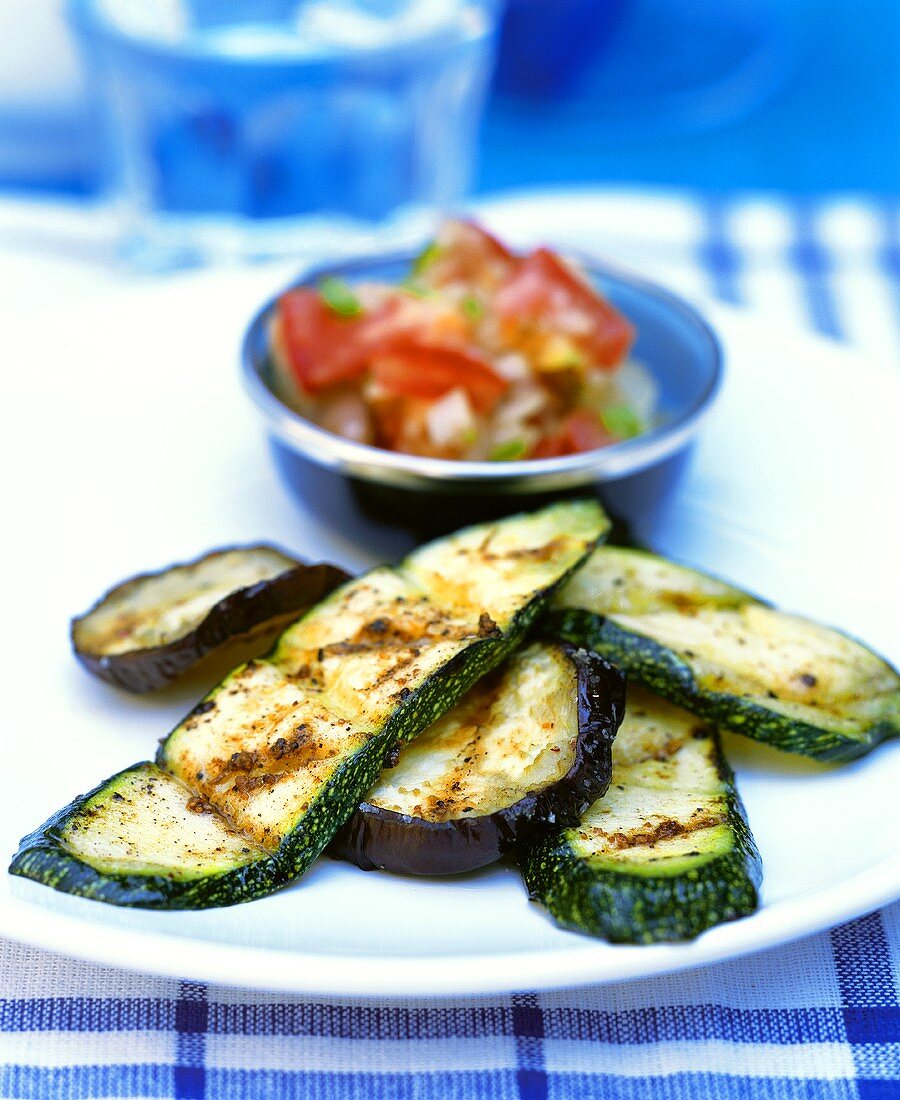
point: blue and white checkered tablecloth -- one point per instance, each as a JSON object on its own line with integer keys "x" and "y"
{"x": 816, "y": 1019}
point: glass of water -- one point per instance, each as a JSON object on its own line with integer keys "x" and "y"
{"x": 241, "y": 129}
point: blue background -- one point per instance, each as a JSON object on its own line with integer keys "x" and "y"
{"x": 833, "y": 125}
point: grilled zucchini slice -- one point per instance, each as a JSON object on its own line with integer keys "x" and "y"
{"x": 527, "y": 748}
{"x": 666, "y": 853}
{"x": 281, "y": 753}
{"x": 730, "y": 658}
{"x": 138, "y": 829}
{"x": 147, "y": 631}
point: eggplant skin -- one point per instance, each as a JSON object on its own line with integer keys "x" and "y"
{"x": 243, "y": 611}
{"x": 376, "y": 838}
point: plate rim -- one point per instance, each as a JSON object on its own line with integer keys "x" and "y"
{"x": 362, "y": 977}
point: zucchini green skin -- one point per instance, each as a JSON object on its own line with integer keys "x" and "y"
{"x": 723, "y": 654}
{"x": 671, "y": 896}
{"x": 44, "y": 857}
{"x": 661, "y": 670}
{"x": 645, "y": 909}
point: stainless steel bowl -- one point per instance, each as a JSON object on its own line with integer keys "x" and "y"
{"x": 673, "y": 341}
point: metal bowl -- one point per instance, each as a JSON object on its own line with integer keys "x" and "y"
{"x": 673, "y": 341}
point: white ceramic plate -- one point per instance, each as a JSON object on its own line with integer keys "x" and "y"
{"x": 130, "y": 445}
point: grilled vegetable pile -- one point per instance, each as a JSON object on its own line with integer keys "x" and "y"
{"x": 464, "y": 706}
{"x": 256, "y": 780}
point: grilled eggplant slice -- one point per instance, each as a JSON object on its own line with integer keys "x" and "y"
{"x": 527, "y": 748}
{"x": 667, "y": 853}
{"x": 281, "y": 753}
{"x": 147, "y": 631}
{"x": 729, "y": 658}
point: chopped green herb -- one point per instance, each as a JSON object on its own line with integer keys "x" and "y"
{"x": 426, "y": 257}
{"x": 417, "y": 289}
{"x": 508, "y": 451}
{"x": 472, "y": 308}
{"x": 339, "y": 296}
{"x": 469, "y": 437}
{"x": 622, "y": 421}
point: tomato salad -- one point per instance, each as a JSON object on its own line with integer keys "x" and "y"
{"x": 480, "y": 354}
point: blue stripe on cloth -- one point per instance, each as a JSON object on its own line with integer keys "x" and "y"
{"x": 191, "y": 1022}
{"x": 873, "y": 1025}
{"x": 153, "y": 1080}
{"x": 697, "y": 1086}
{"x": 862, "y": 961}
{"x": 654, "y": 1024}
{"x": 23, "y": 1082}
{"x": 812, "y": 262}
{"x": 351, "y": 1021}
{"x": 646, "y": 1025}
{"x": 667, "y": 1023}
{"x": 878, "y": 1090}
{"x": 718, "y": 255}
{"x": 239, "y": 1084}
{"x": 528, "y": 1029}
{"x": 86, "y": 1014}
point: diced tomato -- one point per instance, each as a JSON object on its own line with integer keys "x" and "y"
{"x": 325, "y": 348}
{"x": 464, "y": 252}
{"x": 322, "y": 347}
{"x": 543, "y": 290}
{"x": 399, "y": 339}
{"x": 429, "y": 371}
{"x": 398, "y": 427}
{"x": 580, "y": 431}
{"x": 553, "y": 445}
{"x": 585, "y": 432}
{"x": 404, "y": 317}
{"x": 464, "y": 236}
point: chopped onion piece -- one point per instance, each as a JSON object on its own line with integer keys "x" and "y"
{"x": 450, "y": 419}
{"x": 513, "y": 367}
{"x": 634, "y": 385}
{"x": 347, "y": 415}
{"x": 521, "y": 403}
{"x": 574, "y": 322}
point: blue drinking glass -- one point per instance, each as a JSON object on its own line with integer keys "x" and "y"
{"x": 268, "y": 127}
